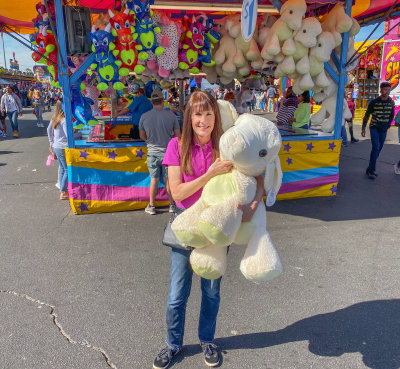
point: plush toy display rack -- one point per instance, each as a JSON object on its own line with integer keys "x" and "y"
{"x": 108, "y": 177}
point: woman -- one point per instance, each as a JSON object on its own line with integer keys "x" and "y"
{"x": 352, "y": 107}
{"x": 57, "y": 133}
{"x": 302, "y": 114}
{"x": 11, "y": 106}
{"x": 3, "y": 128}
{"x": 287, "y": 107}
{"x": 38, "y": 103}
{"x": 192, "y": 161}
{"x": 230, "y": 96}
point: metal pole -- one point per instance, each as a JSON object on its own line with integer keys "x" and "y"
{"x": 342, "y": 76}
{"x": 4, "y": 51}
{"x": 63, "y": 75}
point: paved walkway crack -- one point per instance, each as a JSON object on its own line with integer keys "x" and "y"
{"x": 25, "y": 183}
{"x": 52, "y": 308}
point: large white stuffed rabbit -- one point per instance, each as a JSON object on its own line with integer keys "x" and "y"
{"x": 215, "y": 221}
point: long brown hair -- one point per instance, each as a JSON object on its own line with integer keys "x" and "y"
{"x": 198, "y": 101}
{"x": 58, "y": 115}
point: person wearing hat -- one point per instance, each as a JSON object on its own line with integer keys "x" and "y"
{"x": 137, "y": 107}
{"x": 157, "y": 127}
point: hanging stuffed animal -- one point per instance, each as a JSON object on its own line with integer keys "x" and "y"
{"x": 105, "y": 63}
{"x": 125, "y": 48}
{"x": 46, "y": 44}
{"x": 169, "y": 39}
{"x": 81, "y": 110}
{"x": 192, "y": 43}
{"x": 145, "y": 35}
{"x": 211, "y": 38}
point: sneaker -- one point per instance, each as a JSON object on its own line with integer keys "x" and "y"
{"x": 344, "y": 144}
{"x": 57, "y": 185}
{"x": 4, "y": 134}
{"x": 164, "y": 357}
{"x": 353, "y": 140}
{"x": 211, "y": 354}
{"x": 15, "y": 134}
{"x": 64, "y": 195}
{"x": 41, "y": 125}
{"x": 150, "y": 210}
{"x": 172, "y": 208}
{"x": 396, "y": 169}
{"x": 370, "y": 174}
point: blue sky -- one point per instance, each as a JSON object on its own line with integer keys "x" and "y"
{"x": 23, "y": 54}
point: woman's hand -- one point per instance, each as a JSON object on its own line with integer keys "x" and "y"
{"x": 248, "y": 210}
{"x": 220, "y": 167}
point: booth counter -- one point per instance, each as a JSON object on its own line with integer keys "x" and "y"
{"x": 114, "y": 177}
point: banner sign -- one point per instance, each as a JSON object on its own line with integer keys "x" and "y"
{"x": 391, "y": 65}
{"x": 249, "y": 18}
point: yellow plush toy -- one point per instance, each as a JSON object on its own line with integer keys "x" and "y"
{"x": 214, "y": 221}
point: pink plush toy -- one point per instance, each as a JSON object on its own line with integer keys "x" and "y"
{"x": 192, "y": 43}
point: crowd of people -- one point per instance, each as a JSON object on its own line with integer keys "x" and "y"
{"x": 187, "y": 159}
{"x": 13, "y": 100}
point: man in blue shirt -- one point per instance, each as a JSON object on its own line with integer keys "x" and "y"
{"x": 140, "y": 104}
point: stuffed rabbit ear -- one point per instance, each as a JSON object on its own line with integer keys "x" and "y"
{"x": 272, "y": 181}
{"x": 228, "y": 114}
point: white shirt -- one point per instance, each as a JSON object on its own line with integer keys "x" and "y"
{"x": 11, "y": 105}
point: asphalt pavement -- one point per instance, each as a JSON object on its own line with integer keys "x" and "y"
{"x": 90, "y": 291}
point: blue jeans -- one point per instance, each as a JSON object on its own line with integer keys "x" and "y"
{"x": 38, "y": 113}
{"x": 377, "y": 139}
{"x": 179, "y": 291}
{"x": 343, "y": 133}
{"x": 63, "y": 171}
{"x": 13, "y": 116}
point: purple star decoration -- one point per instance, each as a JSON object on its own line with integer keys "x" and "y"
{"x": 83, "y": 207}
{"x": 333, "y": 189}
{"x": 310, "y": 146}
{"x": 286, "y": 147}
{"x": 112, "y": 155}
{"x": 140, "y": 153}
{"x": 332, "y": 146}
{"x": 83, "y": 154}
{"x": 289, "y": 161}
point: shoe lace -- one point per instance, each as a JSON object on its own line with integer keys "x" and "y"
{"x": 165, "y": 353}
{"x": 209, "y": 349}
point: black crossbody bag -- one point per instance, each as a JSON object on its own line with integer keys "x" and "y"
{"x": 169, "y": 238}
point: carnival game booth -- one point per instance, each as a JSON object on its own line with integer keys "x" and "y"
{"x": 109, "y": 175}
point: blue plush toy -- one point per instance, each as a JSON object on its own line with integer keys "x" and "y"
{"x": 145, "y": 35}
{"x": 140, "y": 8}
{"x": 150, "y": 87}
{"x": 106, "y": 65}
{"x": 81, "y": 110}
{"x": 212, "y": 37}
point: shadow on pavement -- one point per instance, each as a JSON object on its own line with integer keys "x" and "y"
{"x": 9, "y": 152}
{"x": 358, "y": 197}
{"x": 371, "y": 328}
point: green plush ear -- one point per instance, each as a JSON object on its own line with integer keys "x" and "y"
{"x": 93, "y": 66}
{"x": 114, "y": 32}
{"x": 93, "y": 49}
{"x": 112, "y": 46}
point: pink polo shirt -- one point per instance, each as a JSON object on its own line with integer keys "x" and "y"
{"x": 201, "y": 161}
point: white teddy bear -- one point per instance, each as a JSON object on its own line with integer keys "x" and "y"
{"x": 292, "y": 13}
{"x": 337, "y": 22}
{"x": 214, "y": 221}
{"x": 326, "y": 115}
